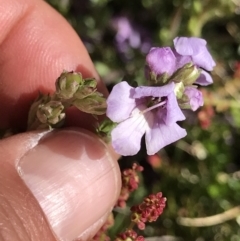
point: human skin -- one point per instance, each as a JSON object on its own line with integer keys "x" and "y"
{"x": 53, "y": 185}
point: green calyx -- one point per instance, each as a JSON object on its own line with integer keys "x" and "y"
{"x": 179, "y": 90}
{"x": 94, "y": 104}
{"x": 158, "y": 80}
{"x": 50, "y": 113}
{"x": 105, "y": 128}
{"x": 184, "y": 103}
{"x": 68, "y": 83}
{"x": 86, "y": 89}
{"x": 188, "y": 74}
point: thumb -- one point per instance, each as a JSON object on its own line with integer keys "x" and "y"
{"x": 58, "y": 185}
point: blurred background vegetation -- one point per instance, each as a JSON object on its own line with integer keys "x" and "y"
{"x": 199, "y": 175}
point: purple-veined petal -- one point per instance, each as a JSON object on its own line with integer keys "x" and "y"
{"x": 126, "y": 137}
{"x": 119, "y": 103}
{"x": 144, "y": 91}
{"x": 161, "y": 60}
{"x": 174, "y": 113}
{"x": 204, "y": 79}
{"x": 160, "y": 135}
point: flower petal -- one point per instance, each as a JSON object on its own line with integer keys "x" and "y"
{"x": 119, "y": 103}
{"x": 195, "y": 97}
{"x": 161, "y": 60}
{"x": 174, "y": 113}
{"x": 160, "y": 135}
{"x": 203, "y": 59}
{"x": 204, "y": 79}
{"x": 126, "y": 137}
{"x": 196, "y": 48}
{"x": 181, "y": 60}
{"x": 144, "y": 91}
{"x": 188, "y": 46}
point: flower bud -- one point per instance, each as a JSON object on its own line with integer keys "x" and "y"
{"x": 161, "y": 60}
{"x": 129, "y": 235}
{"x": 188, "y": 74}
{"x": 149, "y": 210}
{"x": 93, "y": 104}
{"x": 88, "y": 88}
{"x": 90, "y": 82}
{"x": 105, "y": 128}
{"x": 67, "y": 84}
{"x": 41, "y": 100}
{"x": 50, "y": 113}
{"x": 130, "y": 182}
{"x": 83, "y": 92}
{"x": 192, "y": 99}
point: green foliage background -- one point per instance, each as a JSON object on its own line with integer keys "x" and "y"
{"x": 199, "y": 175}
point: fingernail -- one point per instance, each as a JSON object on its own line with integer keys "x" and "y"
{"x": 74, "y": 178}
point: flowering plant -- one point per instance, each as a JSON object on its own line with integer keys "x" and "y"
{"x": 173, "y": 75}
{"x": 154, "y": 110}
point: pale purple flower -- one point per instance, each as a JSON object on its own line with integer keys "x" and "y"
{"x": 152, "y": 111}
{"x": 161, "y": 60}
{"x": 204, "y": 78}
{"x": 126, "y": 32}
{"x": 130, "y": 35}
{"x": 195, "y": 97}
{"x": 186, "y": 50}
{"x": 196, "y": 49}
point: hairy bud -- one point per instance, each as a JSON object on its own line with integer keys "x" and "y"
{"x": 67, "y": 84}
{"x": 50, "y": 113}
{"x": 88, "y": 88}
{"x": 93, "y": 104}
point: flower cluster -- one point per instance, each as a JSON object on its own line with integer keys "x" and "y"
{"x": 189, "y": 52}
{"x": 154, "y": 110}
{"x": 149, "y": 210}
{"x": 48, "y": 111}
{"x": 130, "y": 182}
{"x": 129, "y": 235}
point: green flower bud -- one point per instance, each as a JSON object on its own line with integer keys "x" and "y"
{"x": 83, "y": 92}
{"x": 105, "y": 128}
{"x": 93, "y": 104}
{"x": 88, "y": 88}
{"x": 188, "y": 74}
{"x": 184, "y": 103}
{"x": 50, "y": 113}
{"x": 67, "y": 84}
{"x": 90, "y": 82}
{"x": 41, "y": 100}
{"x": 158, "y": 80}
